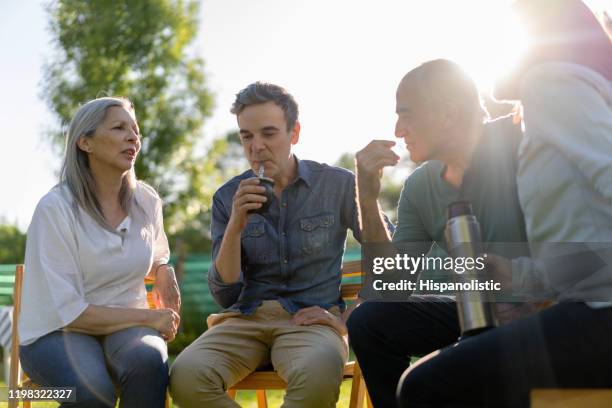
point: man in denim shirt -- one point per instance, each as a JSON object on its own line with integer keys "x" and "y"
{"x": 277, "y": 274}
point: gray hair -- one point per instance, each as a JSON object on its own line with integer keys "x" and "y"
{"x": 444, "y": 80}
{"x": 261, "y": 92}
{"x": 76, "y": 174}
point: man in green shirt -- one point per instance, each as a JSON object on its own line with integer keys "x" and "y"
{"x": 442, "y": 121}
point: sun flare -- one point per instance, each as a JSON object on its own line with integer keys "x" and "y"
{"x": 493, "y": 46}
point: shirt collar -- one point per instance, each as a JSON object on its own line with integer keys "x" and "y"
{"x": 303, "y": 171}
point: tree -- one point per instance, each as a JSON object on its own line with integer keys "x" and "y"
{"x": 12, "y": 244}
{"x": 224, "y": 160}
{"x": 137, "y": 49}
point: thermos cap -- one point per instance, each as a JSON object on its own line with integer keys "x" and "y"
{"x": 458, "y": 208}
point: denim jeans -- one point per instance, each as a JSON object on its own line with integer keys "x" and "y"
{"x": 131, "y": 364}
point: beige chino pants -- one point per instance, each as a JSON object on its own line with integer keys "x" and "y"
{"x": 309, "y": 358}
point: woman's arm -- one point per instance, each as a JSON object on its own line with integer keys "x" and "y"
{"x": 101, "y": 320}
{"x": 166, "y": 293}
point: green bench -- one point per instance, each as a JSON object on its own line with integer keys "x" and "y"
{"x": 7, "y": 281}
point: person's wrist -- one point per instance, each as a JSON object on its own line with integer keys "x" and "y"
{"x": 367, "y": 191}
{"x": 368, "y": 203}
{"x": 166, "y": 269}
{"x": 146, "y": 317}
{"x": 233, "y": 227}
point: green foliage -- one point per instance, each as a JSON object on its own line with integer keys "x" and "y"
{"x": 347, "y": 161}
{"x": 224, "y": 159}
{"x": 12, "y": 244}
{"x": 137, "y": 49}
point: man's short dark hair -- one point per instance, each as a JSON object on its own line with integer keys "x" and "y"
{"x": 261, "y": 92}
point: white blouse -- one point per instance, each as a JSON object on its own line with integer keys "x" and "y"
{"x": 72, "y": 262}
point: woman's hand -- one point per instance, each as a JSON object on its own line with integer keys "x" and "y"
{"x": 165, "y": 321}
{"x": 166, "y": 293}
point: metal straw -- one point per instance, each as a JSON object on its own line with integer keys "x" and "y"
{"x": 261, "y": 171}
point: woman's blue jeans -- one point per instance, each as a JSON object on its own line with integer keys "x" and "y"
{"x": 131, "y": 364}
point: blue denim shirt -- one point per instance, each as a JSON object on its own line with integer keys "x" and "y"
{"x": 292, "y": 253}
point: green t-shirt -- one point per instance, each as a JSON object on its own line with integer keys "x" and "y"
{"x": 490, "y": 187}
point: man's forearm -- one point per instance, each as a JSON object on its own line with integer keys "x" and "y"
{"x": 373, "y": 226}
{"x": 228, "y": 262}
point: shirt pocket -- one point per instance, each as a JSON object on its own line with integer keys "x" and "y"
{"x": 316, "y": 233}
{"x": 256, "y": 244}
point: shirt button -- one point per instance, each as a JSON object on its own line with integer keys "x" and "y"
{"x": 284, "y": 234}
{"x": 285, "y": 261}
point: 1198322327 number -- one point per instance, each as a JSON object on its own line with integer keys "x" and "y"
{"x": 43, "y": 393}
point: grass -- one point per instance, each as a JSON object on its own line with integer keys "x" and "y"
{"x": 246, "y": 399}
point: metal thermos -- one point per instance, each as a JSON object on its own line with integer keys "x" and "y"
{"x": 476, "y": 312}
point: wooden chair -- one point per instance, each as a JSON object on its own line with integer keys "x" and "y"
{"x": 24, "y": 382}
{"x": 571, "y": 398}
{"x": 260, "y": 381}
{"x": 14, "y": 380}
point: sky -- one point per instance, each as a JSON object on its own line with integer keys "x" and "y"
{"x": 341, "y": 59}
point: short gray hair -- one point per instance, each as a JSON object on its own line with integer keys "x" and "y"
{"x": 441, "y": 79}
{"x": 261, "y": 92}
{"x": 76, "y": 174}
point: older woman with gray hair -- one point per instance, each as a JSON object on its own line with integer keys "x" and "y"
{"x": 85, "y": 321}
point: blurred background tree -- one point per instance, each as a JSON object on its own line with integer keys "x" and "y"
{"x": 224, "y": 159}
{"x": 12, "y": 243}
{"x": 138, "y": 49}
